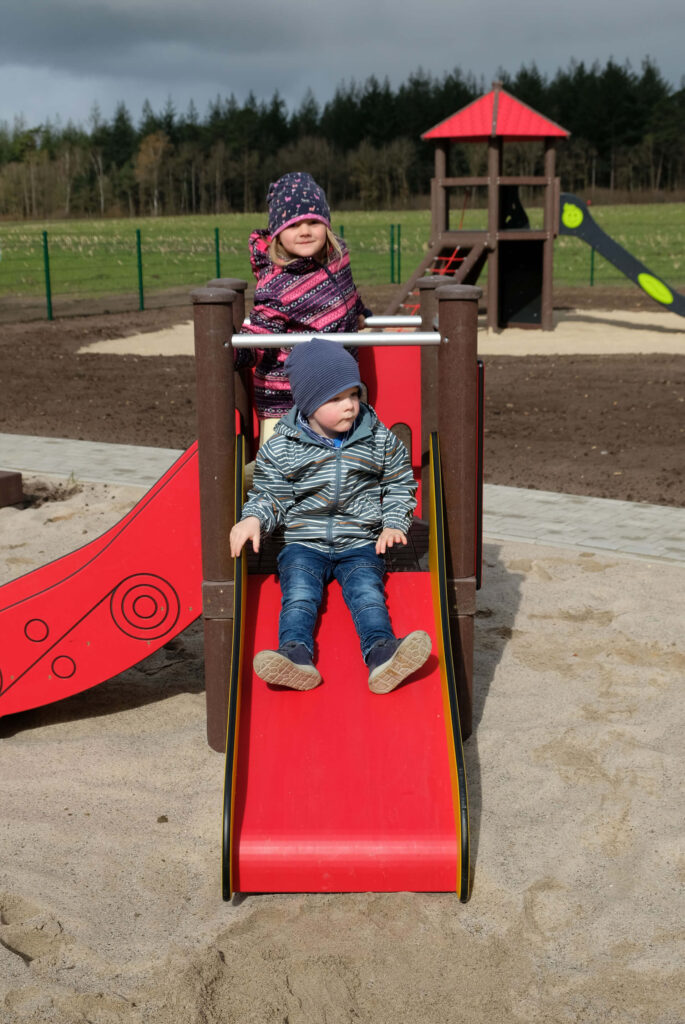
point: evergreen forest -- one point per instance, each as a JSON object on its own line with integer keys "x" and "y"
{"x": 627, "y": 144}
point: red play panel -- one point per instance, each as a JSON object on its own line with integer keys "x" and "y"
{"x": 339, "y": 789}
{"x": 393, "y": 378}
{"x": 93, "y": 613}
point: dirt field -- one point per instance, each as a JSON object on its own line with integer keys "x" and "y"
{"x": 609, "y": 426}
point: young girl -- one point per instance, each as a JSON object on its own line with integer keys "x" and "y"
{"x": 304, "y": 284}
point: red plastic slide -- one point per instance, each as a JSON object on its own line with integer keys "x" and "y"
{"x": 339, "y": 789}
{"x": 93, "y": 613}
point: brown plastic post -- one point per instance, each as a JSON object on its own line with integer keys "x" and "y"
{"x": 429, "y": 379}
{"x": 434, "y": 212}
{"x": 213, "y": 316}
{"x": 11, "y": 488}
{"x": 239, "y": 286}
{"x": 243, "y": 401}
{"x": 547, "y": 303}
{"x": 441, "y": 209}
{"x": 494, "y": 172}
{"x": 457, "y": 425}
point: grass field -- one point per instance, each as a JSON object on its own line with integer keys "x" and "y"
{"x": 99, "y": 257}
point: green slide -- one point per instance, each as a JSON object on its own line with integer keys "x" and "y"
{"x": 575, "y": 219}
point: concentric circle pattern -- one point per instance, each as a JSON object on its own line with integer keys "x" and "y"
{"x": 145, "y": 606}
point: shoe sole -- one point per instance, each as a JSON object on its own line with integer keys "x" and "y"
{"x": 275, "y": 668}
{"x": 412, "y": 653}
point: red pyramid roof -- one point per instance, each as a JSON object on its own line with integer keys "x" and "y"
{"x": 498, "y": 113}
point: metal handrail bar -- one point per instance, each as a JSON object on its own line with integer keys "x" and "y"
{"x": 381, "y": 321}
{"x": 361, "y": 340}
{"x": 393, "y": 321}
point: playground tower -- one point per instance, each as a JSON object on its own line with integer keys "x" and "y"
{"x": 519, "y": 258}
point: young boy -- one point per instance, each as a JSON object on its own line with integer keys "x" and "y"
{"x": 341, "y": 484}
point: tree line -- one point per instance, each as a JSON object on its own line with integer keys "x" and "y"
{"x": 363, "y": 145}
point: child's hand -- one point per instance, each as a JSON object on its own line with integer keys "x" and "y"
{"x": 389, "y": 537}
{"x": 247, "y": 529}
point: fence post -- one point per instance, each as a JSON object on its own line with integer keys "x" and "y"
{"x": 213, "y": 319}
{"x": 139, "y": 257}
{"x": 392, "y": 254}
{"x": 399, "y": 253}
{"x": 457, "y": 425}
{"x": 46, "y": 265}
{"x": 217, "y": 252}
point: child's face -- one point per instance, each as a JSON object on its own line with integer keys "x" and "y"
{"x": 305, "y": 238}
{"x": 337, "y": 415}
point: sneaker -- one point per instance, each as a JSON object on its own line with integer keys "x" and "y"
{"x": 289, "y": 666}
{"x": 391, "y": 661}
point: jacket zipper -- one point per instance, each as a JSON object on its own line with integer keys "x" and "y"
{"x": 336, "y": 493}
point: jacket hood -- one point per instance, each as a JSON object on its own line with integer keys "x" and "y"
{"x": 365, "y": 424}
{"x": 258, "y": 245}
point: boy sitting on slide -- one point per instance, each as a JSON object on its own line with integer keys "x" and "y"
{"x": 341, "y": 485}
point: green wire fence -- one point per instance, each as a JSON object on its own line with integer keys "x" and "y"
{"x": 134, "y": 267}
{"x": 71, "y": 267}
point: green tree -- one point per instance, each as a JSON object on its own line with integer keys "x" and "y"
{"x": 306, "y": 119}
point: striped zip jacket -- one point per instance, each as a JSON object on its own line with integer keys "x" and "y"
{"x": 341, "y": 497}
{"x": 301, "y": 297}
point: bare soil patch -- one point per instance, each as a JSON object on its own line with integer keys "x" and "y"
{"x": 611, "y": 426}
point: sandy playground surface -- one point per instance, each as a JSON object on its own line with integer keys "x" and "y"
{"x": 576, "y": 332}
{"x": 110, "y": 906}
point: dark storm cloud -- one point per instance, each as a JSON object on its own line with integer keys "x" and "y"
{"x": 95, "y": 36}
{"x": 60, "y": 56}
{"x": 100, "y": 38}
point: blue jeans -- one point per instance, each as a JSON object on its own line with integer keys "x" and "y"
{"x": 304, "y": 572}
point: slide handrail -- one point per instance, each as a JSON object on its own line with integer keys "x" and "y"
{"x": 233, "y": 717}
{"x": 438, "y": 569}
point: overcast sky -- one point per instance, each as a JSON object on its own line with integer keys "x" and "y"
{"x": 59, "y": 57}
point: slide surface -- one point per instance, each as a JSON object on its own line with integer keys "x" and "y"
{"x": 83, "y": 618}
{"x": 575, "y": 219}
{"x": 338, "y": 789}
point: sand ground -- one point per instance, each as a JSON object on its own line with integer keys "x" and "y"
{"x": 110, "y": 906}
{"x": 582, "y": 332}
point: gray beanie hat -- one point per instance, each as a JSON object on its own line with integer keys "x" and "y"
{"x": 318, "y": 370}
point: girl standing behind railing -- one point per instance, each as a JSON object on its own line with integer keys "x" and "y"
{"x": 304, "y": 284}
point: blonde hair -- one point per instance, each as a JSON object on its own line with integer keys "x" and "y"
{"x": 281, "y": 257}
